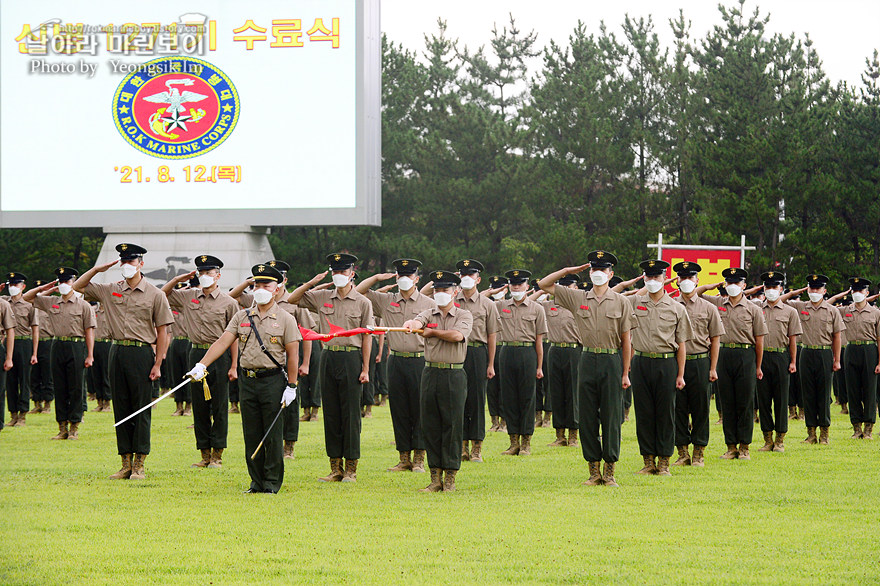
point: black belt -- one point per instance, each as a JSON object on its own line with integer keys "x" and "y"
{"x": 260, "y": 372}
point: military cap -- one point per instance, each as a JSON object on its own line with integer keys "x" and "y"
{"x": 816, "y": 280}
{"x": 65, "y": 274}
{"x": 569, "y": 280}
{"x": 600, "y": 259}
{"x": 735, "y": 274}
{"x": 182, "y": 284}
{"x": 340, "y": 261}
{"x": 406, "y": 266}
{"x": 206, "y": 262}
{"x": 517, "y": 276}
{"x": 280, "y": 265}
{"x": 39, "y": 282}
{"x": 444, "y": 279}
{"x": 585, "y": 285}
{"x": 14, "y": 277}
{"x": 130, "y": 251}
{"x": 469, "y": 266}
{"x": 497, "y": 281}
{"x": 263, "y": 272}
{"x": 858, "y": 283}
{"x": 653, "y": 267}
{"x": 686, "y": 269}
{"x": 773, "y": 278}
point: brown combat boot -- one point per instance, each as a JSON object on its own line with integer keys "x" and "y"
{"x": 335, "y": 471}
{"x": 13, "y": 417}
{"x": 626, "y": 415}
{"x": 857, "y": 431}
{"x": 548, "y": 419}
{"x": 572, "y": 438}
{"x": 314, "y": 415}
{"x": 684, "y": 459}
{"x": 649, "y": 467}
{"x": 823, "y": 436}
{"x": 768, "y": 442}
{"x": 38, "y": 408}
{"x": 811, "y": 436}
{"x": 513, "y": 450}
{"x": 502, "y": 425}
{"x": 779, "y": 444}
{"x": 608, "y": 475}
{"x": 465, "y": 455}
{"x": 539, "y": 420}
{"x": 792, "y": 412}
{"x": 73, "y": 434}
{"x": 383, "y": 401}
{"x": 663, "y": 466}
{"x": 47, "y": 407}
{"x": 125, "y": 471}
{"x": 137, "y": 467}
{"x": 595, "y": 478}
{"x": 22, "y": 419}
{"x": 91, "y": 397}
{"x": 449, "y": 480}
{"x": 560, "y": 439}
{"x": 494, "y": 423}
{"x": 368, "y": 412}
{"x": 801, "y": 415}
{"x": 525, "y": 445}
{"x": 436, "y": 481}
{"x": 178, "y": 411}
{"x": 351, "y": 468}
{"x": 744, "y": 452}
{"x": 844, "y": 410}
{"x": 233, "y": 407}
{"x": 477, "y": 452}
{"x": 307, "y": 413}
{"x": 288, "y": 450}
{"x": 62, "y": 431}
{"x": 206, "y": 459}
{"x": 107, "y": 406}
{"x": 697, "y": 459}
{"x": 405, "y": 464}
{"x": 869, "y": 428}
{"x": 730, "y": 454}
{"x": 217, "y": 457}
{"x": 187, "y": 409}
{"x": 418, "y": 461}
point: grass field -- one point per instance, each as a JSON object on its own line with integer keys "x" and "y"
{"x": 806, "y": 516}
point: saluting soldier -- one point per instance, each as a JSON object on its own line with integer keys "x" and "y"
{"x": 479, "y": 364}
{"x": 42, "y": 389}
{"x": 779, "y": 363}
{"x": 98, "y": 376}
{"x": 7, "y": 342}
{"x": 563, "y": 357}
{"x": 444, "y": 383}
{"x": 177, "y": 362}
{"x": 496, "y": 292}
{"x": 862, "y": 359}
{"x": 138, "y": 316}
{"x": 268, "y": 342}
{"x": 742, "y": 352}
{"x": 345, "y": 364}
{"x": 204, "y": 312}
{"x": 27, "y": 327}
{"x": 820, "y": 355}
{"x": 523, "y": 327}
{"x": 73, "y": 322}
{"x": 407, "y": 358}
{"x": 701, "y": 368}
{"x": 604, "y": 320}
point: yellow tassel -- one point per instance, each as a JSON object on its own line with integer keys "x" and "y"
{"x": 206, "y": 389}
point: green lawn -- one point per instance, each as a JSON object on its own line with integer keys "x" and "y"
{"x": 806, "y": 516}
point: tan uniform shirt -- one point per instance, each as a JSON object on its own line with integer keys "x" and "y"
{"x": 7, "y": 318}
{"x": 819, "y": 323}
{"x": 132, "y": 314}
{"x": 600, "y": 322}
{"x": 743, "y": 322}
{"x": 394, "y": 310}
{"x": 523, "y": 322}
{"x": 705, "y": 323}
{"x": 277, "y": 329}
{"x": 661, "y": 326}
{"x": 349, "y": 312}
{"x": 69, "y": 318}
{"x": 203, "y": 317}
{"x": 46, "y": 329}
{"x": 177, "y": 328}
{"x": 25, "y": 316}
{"x": 862, "y": 325}
{"x": 560, "y": 323}
{"x": 782, "y": 321}
{"x": 102, "y": 332}
{"x": 437, "y": 350}
{"x": 485, "y": 314}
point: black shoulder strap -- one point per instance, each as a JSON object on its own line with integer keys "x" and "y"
{"x": 256, "y": 332}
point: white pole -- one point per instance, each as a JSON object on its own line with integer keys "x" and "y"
{"x": 742, "y": 251}
{"x": 660, "y": 245}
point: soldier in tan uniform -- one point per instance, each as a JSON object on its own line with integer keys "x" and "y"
{"x": 267, "y": 375}
{"x": 72, "y": 320}
{"x": 407, "y": 358}
{"x": 780, "y": 361}
{"x": 523, "y": 327}
{"x": 138, "y": 316}
{"x": 862, "y": 359}
{"x": 444, "y": 384}
{"x": 345, "y": 364}
{"x": 27, "y": 336}
{"x": 7, "y": 336}
{"x": 205, "y": 311}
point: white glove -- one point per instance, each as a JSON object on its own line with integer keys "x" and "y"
{"x": 289, "y": 396}
{"x": 198, "y": 373}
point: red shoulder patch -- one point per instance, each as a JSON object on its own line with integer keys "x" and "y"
{"x": 554, "y": 309}
{"x": 59, "y": 307}
{"x": 722, "y": 309}
{"x": 642, "y": 307}
{"x": 245, "y": 324}
{"x": 430, "y": 325}
{"x": 115, "y": 294}
{"x": 506, "y": 311}
{"x": 328, "y": 305}
{"x": 849, "y": 315}
{"x": 805, "y": 312}
{"x": 393, "y": 304}
{"x": 458, "y": 304}
{"x": 585, "y": 307}
{"x": 175, "y": 312}
{"x": 195, "y": 300}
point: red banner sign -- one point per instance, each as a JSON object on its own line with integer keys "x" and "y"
{"x": 711, "y": 261}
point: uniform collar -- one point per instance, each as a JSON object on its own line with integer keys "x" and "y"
{"x": 742, "y": 301}
{"x": 665, "y": 300}
{"x": 452, "y": 310}
{"x": 213, "y": 294}
{"x": 398, "y": 297}
{"x": 335, "y": 293}
{"x": 510, "y": 301}
{"x": 141, "y": 286}
{"x": 592, "y": 295}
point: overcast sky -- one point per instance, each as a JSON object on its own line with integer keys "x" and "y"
{"x": 844, "y": 31}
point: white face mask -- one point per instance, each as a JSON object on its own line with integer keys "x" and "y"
{"x": 518, "y": 295}
{"x": 64, "y": 288}
{"x": 733, "y": 290}
{"x": 405, "y": 283}
{"x": 771, "y": 294}
{"x": 859, "y": 297}
{"x": 13, "y": 290}
{"x": 499, "y": 295}
{"x": 598, "y": 278}
{"x": 129, "y": 271}
{"x": 205, "y": 281}
{"x": 263, "y": 296}
{"x": 687, "y": 286}
{"x": 341, "y": 280}
{"x": 653, "y": 285}
{"x": 468, "y": 282}
{"x": 816, "y": 297}
{"x": 442, "y": 299}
